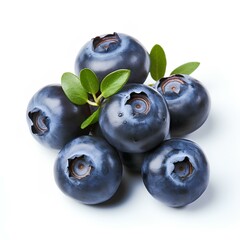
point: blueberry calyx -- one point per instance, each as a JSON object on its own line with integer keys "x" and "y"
{"x": 140, "y": 103}
{"x": 79, "y": 167}
{"x": 171, "y": 84}
{"x": 39, "y": 121}
{"x": 183, "y": 169}
{"x": 106, "y": 43}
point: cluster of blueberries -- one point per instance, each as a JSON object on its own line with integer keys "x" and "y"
{"x": 140, "y": 127}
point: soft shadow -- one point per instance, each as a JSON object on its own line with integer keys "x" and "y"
{"x": 124, "y": 191}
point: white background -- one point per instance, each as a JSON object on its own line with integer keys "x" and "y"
{"x": 39, "y": 40}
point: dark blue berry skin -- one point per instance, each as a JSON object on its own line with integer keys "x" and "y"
{"x": 176, "y": 173}
{"x": 52, "y": 119}
{"x": 188, "y": 103}
{"x": 132, "y": 161}
{"x": 110, "y": 52}
{"x": 88, "y": 169}
{"x": 136, "y": 119}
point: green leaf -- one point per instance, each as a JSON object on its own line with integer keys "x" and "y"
{"x": 89, "y": 81}
{"x": 113, "y": 82}
{"x": 93, "y": 118}
{"x": 73, "y": 89}
{"x": 186, "y": 68}
{"x": 158, "y": 62}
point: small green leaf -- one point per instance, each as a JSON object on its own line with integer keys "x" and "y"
{"x": 93, "y": 118}
{"x": 158, "y": 62}
{"x": 89, "y": 81}
{"x": 73, "y": 89}
{"x": 113, "y": 82}
{"x": 186, "y": 68}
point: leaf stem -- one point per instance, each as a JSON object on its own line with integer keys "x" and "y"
{"x": 99, "y": 98}
{"x": 92, "y": 103}
{"x": 94, "y": 97}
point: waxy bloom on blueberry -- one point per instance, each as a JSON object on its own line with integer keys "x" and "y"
{"x": 176, "y": 173}
{"x": 53, "y": 119}
{"x": 107, "y": 53}
{"x": 136, "y": 119}
{"x": 88, "y": 169}
{"x": 188, "y": 103}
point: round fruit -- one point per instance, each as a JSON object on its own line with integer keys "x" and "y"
{"x": 188, "y": 103}
{"x": 136, "y": 119}
{"x": 88, "y": 169}
{"x": 111, "y": 52}
{"x": 52, "y": 119}
{"x": 176, "y": 173}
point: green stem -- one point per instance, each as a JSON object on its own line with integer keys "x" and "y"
{"x": 92, "y": 103}
{"x": 94, "y": 97}
{"x": 99, "y": 98}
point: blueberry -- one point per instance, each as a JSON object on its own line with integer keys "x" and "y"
{"x": 88, "y": 169}
{"x": 52, "y": 119}
{"x": 176, "y": 173}
{"x": 188, "y": 103}
{"x": 136, "y": 119}
{"x": 110, "y": 52}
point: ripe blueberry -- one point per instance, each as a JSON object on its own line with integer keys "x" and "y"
{"x": 88, "y": 169}
{"x": 108, "y": 53}
{"x": 188, "y": 103}
{"x": 136, "y": 119}
{"x": 176, "y": 173}
{"x": 52, "y": 119}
